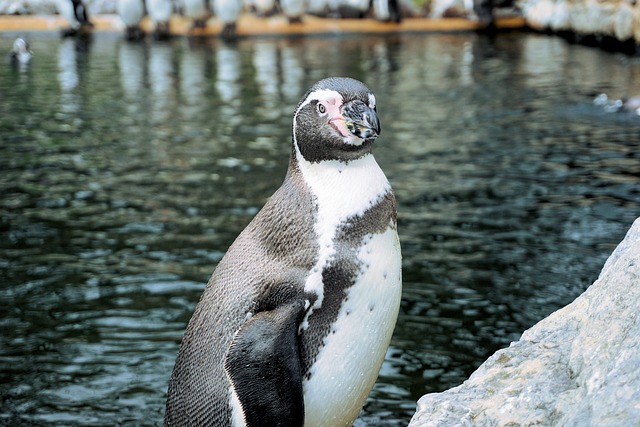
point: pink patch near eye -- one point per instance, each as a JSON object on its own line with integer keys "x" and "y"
{"x": 340, "y": 126}
{"x": 335, "y": 116}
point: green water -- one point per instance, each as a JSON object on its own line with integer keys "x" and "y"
{"x": 126, "y": 170}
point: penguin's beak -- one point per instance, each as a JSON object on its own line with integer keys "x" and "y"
{"x": 361, "y": 120}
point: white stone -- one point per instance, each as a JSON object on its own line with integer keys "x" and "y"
{"x": 618, "y": 18}
{"x": 577, "y": 367}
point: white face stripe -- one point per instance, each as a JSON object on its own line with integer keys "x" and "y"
{"x": 372, "y": 101}
{"x": 321, "y": 95}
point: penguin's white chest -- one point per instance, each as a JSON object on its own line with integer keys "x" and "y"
{"x": 348, "y": 364}
{"x": 352, "y": 353}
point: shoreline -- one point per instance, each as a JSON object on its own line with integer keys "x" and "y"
{"x": 250, "y": 25}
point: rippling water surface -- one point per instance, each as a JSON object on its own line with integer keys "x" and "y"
{"x": 126, "y": 170}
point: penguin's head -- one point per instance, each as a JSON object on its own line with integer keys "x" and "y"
{"x": 335, "y": 120}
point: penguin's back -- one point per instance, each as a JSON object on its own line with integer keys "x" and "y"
{"x": 268, "y": 261}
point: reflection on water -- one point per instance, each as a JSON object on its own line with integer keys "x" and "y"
{"x": 132, "y": 67}
{"x": 68, "y": 75}
{"x": 228, "y": 75}
{"x": 161, "y": 73}
{"x": 126, "y": 170}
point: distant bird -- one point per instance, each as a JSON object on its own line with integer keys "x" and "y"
{"x": 351, "y": 9}
{"x": 293, "y": 10}
{"x": 160, "y": 12}
{"x": 539, "y": 14}
{"x": 318, "y": 7}
{"x": 20, "y": 53}
{"x": 387, "y": 10}
{"x": 263, "y": 7}
{"x": 628, "y": 104}
{"x": 294, "y": 323}
{"x": 131, "y": 13}
{"x": 227, "y": 11}
{"x": 75, "y": 12}
{"x": 624, "y": 21}
{"x": 561, "y": 16}
{"x": 197, "y": 10}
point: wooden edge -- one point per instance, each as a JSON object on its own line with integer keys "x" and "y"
{"x": 250, "y": 25}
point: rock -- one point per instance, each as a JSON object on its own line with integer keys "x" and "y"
{"x": 619, "y": 19}
{"x": 577, "y": 367}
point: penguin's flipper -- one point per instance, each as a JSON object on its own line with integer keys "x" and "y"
{"x": 263, "y": 363}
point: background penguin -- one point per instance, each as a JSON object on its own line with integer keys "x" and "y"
{"x": 160, "y": 12}
{"x": 81, "y": 14}
{"x": 131, "y": 13}
{"x": 387, "y": 10}
{"x": 227, "y": 11}
{"x": 75, "y": 12}
{"x": 262, "y": 8}
{"x": 293, "y": 10}
{"x": 198, "y": 11}
{"x": 352, "y": 9}
{"x": 318, "y": 7}
{"x": 293, "y": 325}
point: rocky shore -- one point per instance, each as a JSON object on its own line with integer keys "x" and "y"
{"x": 577, "y": 367}
{"x": 612, "y": 24}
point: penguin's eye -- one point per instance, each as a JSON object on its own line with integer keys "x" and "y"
{"x": 321, "y": 108}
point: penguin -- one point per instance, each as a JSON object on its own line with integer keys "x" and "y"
{"x": 160, "y": 13}
{"x": 75, "y": 12}
{"x": 293, "y": 325}
{"x": 293, "y": 10}
{"x": 387, "y": 10}
{"x": 198, "y": 11}
{"x": 227, "y": 12}
{"x": 20, "y": 54}
{"x": 318, "y": 7}
{"x": 131, "y": 13}
{"x": 263, "y": 8}
{"x": 352, "y": 9}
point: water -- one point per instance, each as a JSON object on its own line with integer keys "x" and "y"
{"x": 126, "y": 170}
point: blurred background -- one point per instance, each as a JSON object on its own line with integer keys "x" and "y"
{"x": 127, "y": 169}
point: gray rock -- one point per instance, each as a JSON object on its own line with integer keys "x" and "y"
{"x": 578, "y": 367}
{"x": 613, "y": 18}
